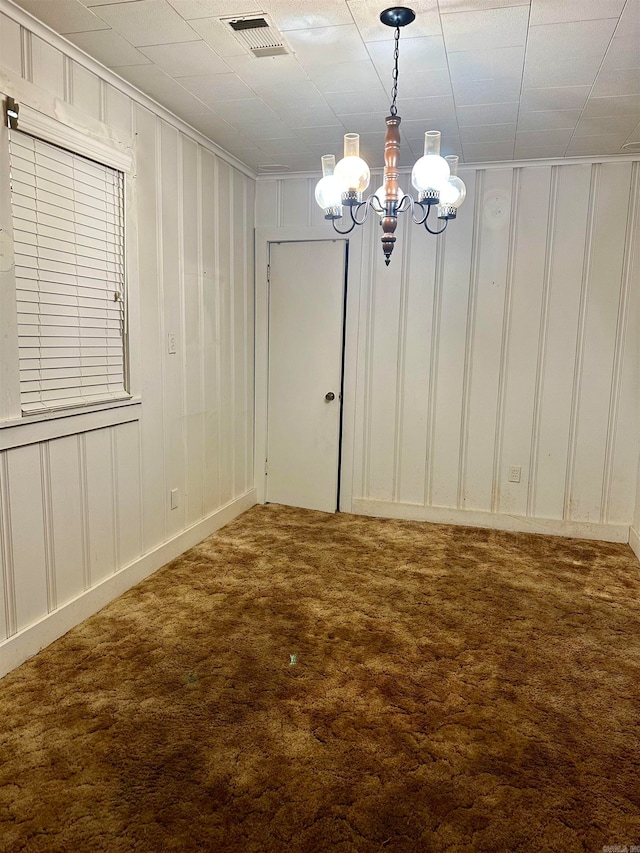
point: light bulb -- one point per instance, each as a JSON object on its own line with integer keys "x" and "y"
{"x": 329, "y": 192}
{"x": 352, "y": 170}
{"x": 382, "y": 199}
{"x": 431, "y": 171}
{"x": 453, "y": 193}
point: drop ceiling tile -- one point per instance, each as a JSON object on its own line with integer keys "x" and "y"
{"x": 296, "y": 91}
{"x": 108, "y": 47}
{"x": 189, "y": 9}
{"x": 366, "y": 14}
{"x": 548, "y": 119}
{"x": 288, "y": 145}
{"x": 214, "y": 127}
{"x": 414, "y": 131}
{"x": 413, "y": 109}
{"x": 358, "y": 102}
{"x": 542, "y": 152}
{"x": 624, "y": 52}
{"x": 317, "y": 136}
{"x": 327, "y": 45}
{"x": 64, "y": 16}
{"x": 492, "y": 28}
{"x": 473, "y": 65}
{"x": 561, "y": 11}
{"x": 606, "y": 125}
{"x": 475, "y": 152}
{"x": 254, "y": 158}
{"x": 147, "y": 22}
{"x": 590, "y": 145}
{"x": 307, "y": 14}
{"x": 245, "y": 111}
{"x": 447, "y": 6}
{"x": 538, "y": 138}
{"x": 161, "y": 87}
{"x": 488, "y": 133}
{"x": 105, "y": 2}
{"x": 420, "y": 54}
{"x": 624, "y": 105}
{"x": 615, "y": 82}
{"x": 364, "y": 122}
{"x": 345, "y": 77}
{"x": 634, "y": 136}
{"x": 266, "y": 71}
{"x": 218, "y": 36}
{"x": 630, "y": 19}
{"x": 185, "y": 60}
{"x": 487, "y": 114}
{"x": 301, "y": 115}
{"x": 422, "y": 84}
{"x": 502, "y": 91}
{"x": 560, "y": 98}
{"x": 571, "y": 41}
{"x": 580, "y": 71}
{"x": 303, "y": 163}
{"x": 210, "y": 88}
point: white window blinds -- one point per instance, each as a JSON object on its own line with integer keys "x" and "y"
{"x": 68, "y": 224}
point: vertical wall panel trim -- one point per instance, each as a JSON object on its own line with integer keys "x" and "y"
{"x": 401, "y": 359}
{"x": 280, "y": 202}
{"x": 67, "y": 77}
{"x": 6, "y": 543}
{"x": 26, "y": 54}
{"x": 311, "y": 199}
{"x": 232, "y": 327}
{"x": 249, "y": 424}
{"x": 368, "y": 378}
{"x": 102, "y": 109}
{"x": 585, "y": 286}
{"x": 183, "y": 321}
{"x": 542, "y": 342}
{"x": 201, "y": 323}
{"x": 434, "y": 358}
{"x": 621, "y": 332}
{"x": 161, "y": 323}
{"x": 115, "y": 520}
{"x": 469, "y": 335}
{"x": 84, "y": 510}
{"x": 218, "y": 303}
{"x": 506, "y": 336}
{"x": 47, "y": 526}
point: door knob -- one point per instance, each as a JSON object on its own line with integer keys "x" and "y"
{"x": 330, "y": 396}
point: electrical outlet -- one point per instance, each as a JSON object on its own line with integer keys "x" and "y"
{"x": 171, "y": 343}
{"x": 174, "y": 499}
{"x": 514, "y": 474}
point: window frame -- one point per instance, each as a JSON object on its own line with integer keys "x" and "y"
{"x": 104, "y": 147}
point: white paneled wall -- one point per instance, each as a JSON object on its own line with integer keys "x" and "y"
{"x": 511, "y": 340}
{"x": 85, "y": 515}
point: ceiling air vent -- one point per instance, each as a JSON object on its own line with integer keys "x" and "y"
{"x": 258, "y": 35}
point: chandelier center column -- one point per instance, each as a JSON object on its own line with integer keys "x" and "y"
{"x": 391, "y": 189}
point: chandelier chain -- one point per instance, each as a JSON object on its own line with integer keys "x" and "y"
{"x": 394, "y": 88}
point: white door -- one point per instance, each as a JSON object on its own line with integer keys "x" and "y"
{"x": 306, "y": 315}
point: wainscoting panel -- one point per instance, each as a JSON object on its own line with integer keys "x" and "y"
{"x": 85, "y": 515}
{"x": 511, "y": 341}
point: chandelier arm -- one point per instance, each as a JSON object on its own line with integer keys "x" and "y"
{"x": 446, "y": 222}
{"x": 413, "y": 215}
{"x": 366, "y": 204}
{"x": 338, "y": 231}
{"x": 408, "y": 206}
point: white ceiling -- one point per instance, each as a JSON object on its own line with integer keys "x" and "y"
{"x": 502, "y": 79}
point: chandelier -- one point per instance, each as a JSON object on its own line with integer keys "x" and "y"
{"x": 434, "y": 177}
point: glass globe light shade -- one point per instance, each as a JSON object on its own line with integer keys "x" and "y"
{"x": 381, "y": 198}
{"x": 430, "y": 172}
{"x": 353, "y": 173}
{"x": 329, "y": 191}
{"x": 453, "y": 193}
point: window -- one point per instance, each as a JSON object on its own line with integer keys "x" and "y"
{"x": 68, "y": 226}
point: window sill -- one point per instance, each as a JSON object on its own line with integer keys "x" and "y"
{"x": 32, "y": 429}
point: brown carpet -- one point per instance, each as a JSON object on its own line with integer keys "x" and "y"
{"x": 452, "y": 690}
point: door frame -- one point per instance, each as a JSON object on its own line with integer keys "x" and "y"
{"x": 263, "y": 237}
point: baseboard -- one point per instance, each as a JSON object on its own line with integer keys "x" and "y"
{"x": 23, "y": 645}
{"x": 634, "y": 541}
{"x": 496, "y": 521}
